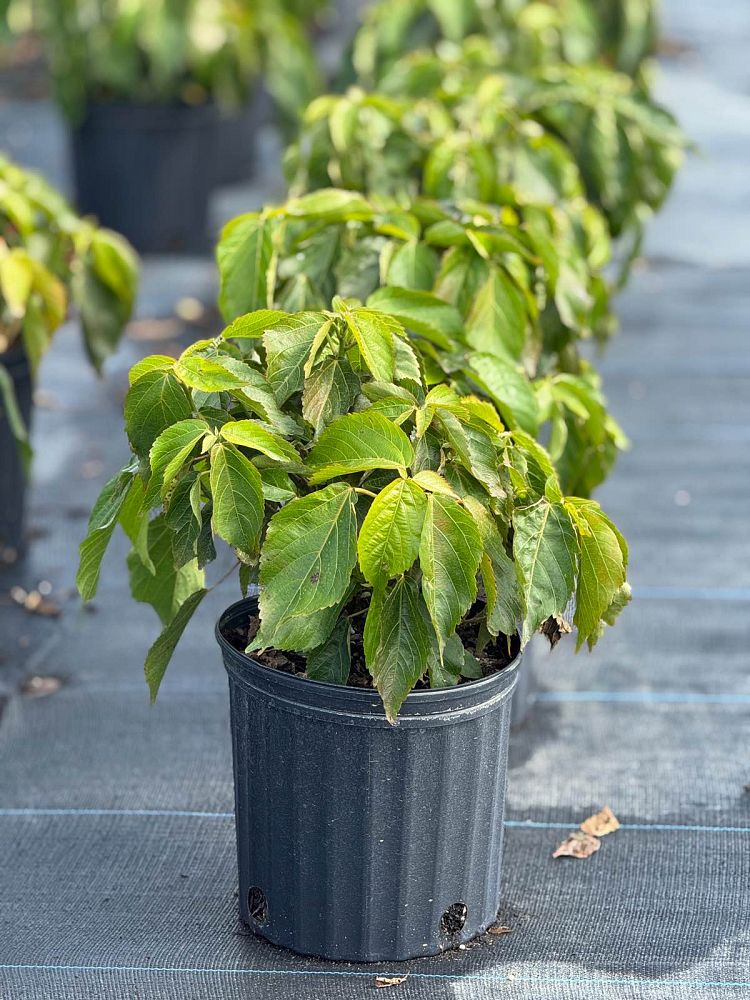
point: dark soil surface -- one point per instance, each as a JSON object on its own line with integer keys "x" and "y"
{"x": 493, "y": 657}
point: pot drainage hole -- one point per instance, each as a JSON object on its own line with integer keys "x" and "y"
{"x": 454, "y": 918}
{"x": 257, "y": 905}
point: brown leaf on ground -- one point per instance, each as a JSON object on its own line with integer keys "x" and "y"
{"x": 499, "y": 929}
{"x": 40, "y": 687}
{"x": 601, "y": 823}
{"x": 578, "y": 845}
{"x": 382, "y": 982}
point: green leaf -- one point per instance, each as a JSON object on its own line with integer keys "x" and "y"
{"x": 169, "y": 453}
{"x": 306, "y": 563}
{"x": 255, "y": 324}
{"x": 154, "y": 362}
{"x": 357, "y": 442}
{"x": 601, "y": 574}
{"x": 497, "y": 321}
{"x": 237, "y": 493}
{"x": 11, "y": 413}
{"x": 103, "y": 311}
{"x": 100, "y": 527}
{"x": 158, "y": 657}
{"x": 504, "y": 603}
{"x": 244, "y": 258}
{"x": 219, "y": 373}
{"x": 422, "y": 312}
{"x": 167, "y": 587}
{"x": 475, "y": 451}
{"x": 184, "y": 518}
{"x": 249, "y": 434}
{"x": 277, "y": 486}
{"x": 448, "y": 672}
{"x": 397, "y": 642}
{"x": 508, "y": 388}
{"x": 331, "y": 662}
{"x": 389, "y": 538}
{"x": 329, "y": 392}
{"x": 287, "y": 347}
{"x": 373, "y": 334}
{"x": 545, "y": 549}
{"x": 134, "y": 520}
{"x": 414, "y": 266}
{"x": 331, "y": 205}
{"x": 449, "y": 554}
{"x": 154, "y": 402}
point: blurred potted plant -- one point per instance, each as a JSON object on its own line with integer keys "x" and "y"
{"x": 525, "y": 33}
{"x": 157, "y": 92}
{"x": 399, "y": 575}
{"x": 49, "y": 259}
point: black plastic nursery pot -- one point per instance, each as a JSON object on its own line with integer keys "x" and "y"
{"x": 12, "y": 474}
{"x": 147, "y": 171}
{"x": 358, "y": 840}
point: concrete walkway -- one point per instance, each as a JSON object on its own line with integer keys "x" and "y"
{"x": 116, "y": 835}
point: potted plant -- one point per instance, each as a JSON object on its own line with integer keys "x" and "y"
{"x": 525, "y": 33}
{"x": 49, "y": 259}
{"x": 457, "y": 124}
{"x": 406, "y": 545}
{"x": 157, "y": 95}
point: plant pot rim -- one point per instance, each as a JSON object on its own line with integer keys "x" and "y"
{"x": 354, "y": 705}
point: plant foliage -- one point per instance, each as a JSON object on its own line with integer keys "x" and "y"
{"x": 416, "y": 503}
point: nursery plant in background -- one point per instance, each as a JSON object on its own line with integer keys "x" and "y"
{"x": 407, "y": 543}
{"x": 497, "y": 300}
{"x": 525, "y": 34}
{"x": 50, "y": 259}
{"x": 456, "y": 124}
{"x": 159, "y": 93}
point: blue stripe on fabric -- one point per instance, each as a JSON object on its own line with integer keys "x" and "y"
{"x": 351, "y": 973}
{"x": 519, "y": 824}
{"x": 645, "y": 697}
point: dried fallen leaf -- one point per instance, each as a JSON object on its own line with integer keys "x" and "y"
{"x": 601, "y": 823}
{"x": 382, "y": 982}
{"x": 578, "y": 845}
{"x": 40, "y": 687}
{"x": 499, "y": 929}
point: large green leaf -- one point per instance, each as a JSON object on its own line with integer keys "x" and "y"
{"x": 169, "y": 453}
{"x": 183, "y": 516}
{"x": 330, "y": 391}
{"x": 389, "y": 538}
{"x": 330, "y": 205}
{"x": 357, "y": 442}
{"x": 167, "y": 586}
{"x": 545, "y": 549}
{"x": 331, "y": 662}
{"x": 422, "y": 312}
{"x": 154, "y": 402}
{"x": 287, "y": 348}
{"x": 449, "y": 554}
{"x": 237, "y": 493}
{"x": 397, "y": 642}
{"x": 509, "y": 388}
{"x": 504, "y": 605}
{"x": 244, "y": 257}
{"x": 373, "y": 334}
{"x": 602, "y": 571}
{"x": 158, "y": 657}
{"x": 249, "y": 434}
{"x": 306, "y": 563}
{"x": 413, "y": 265}
{"x": 497, "y": 321}
{"x": 100, "y": 527}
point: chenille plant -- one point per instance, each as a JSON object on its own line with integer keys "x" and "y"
{"x": 370, "y": 508}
